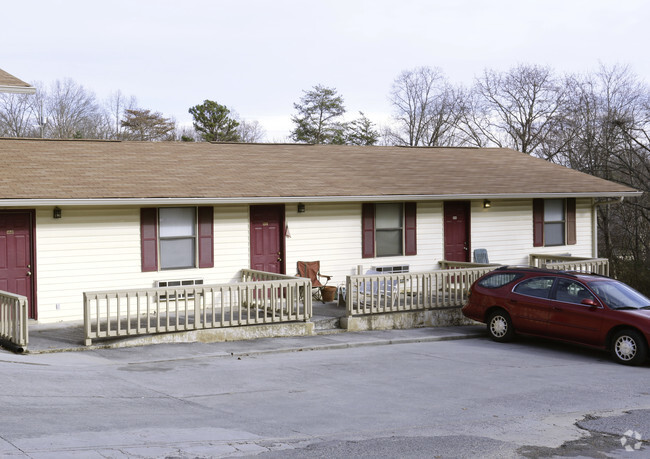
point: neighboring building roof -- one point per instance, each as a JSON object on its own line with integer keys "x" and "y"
{"x": 45, "y": 171}
{"x": 9, "y": 83}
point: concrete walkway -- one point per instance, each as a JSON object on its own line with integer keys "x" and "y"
{"x": 67, "y": 337}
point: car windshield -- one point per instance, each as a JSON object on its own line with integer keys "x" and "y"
{"x": 617, "y": 295}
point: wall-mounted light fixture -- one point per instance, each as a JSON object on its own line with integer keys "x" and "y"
{"x": 56, "y": 213}
{"x": 301, "y": 207}
{"x": 487, "y": 204}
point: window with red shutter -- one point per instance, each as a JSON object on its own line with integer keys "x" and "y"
{"x": 389, "y": 229}
{"x": 171, "y": 238}
{"x": 149, "y": 239}
{"x": 554, "y": 222}
{"x": 206, "y": 232}
{"x": 538, "y": 222}
{"x": 571, "y": 236}
{"x": 410, "y": 228}
{"x": 368, "y": 230}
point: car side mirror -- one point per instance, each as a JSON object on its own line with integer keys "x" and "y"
{"x": 589, "y": 302}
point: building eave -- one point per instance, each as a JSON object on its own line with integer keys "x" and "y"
{"x": 44, "y": 202}
{"x": 18, "y": 89}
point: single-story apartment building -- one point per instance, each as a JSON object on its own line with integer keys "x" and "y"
{"x": 84, "y": 215}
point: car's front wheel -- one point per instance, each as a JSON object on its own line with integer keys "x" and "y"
{"x": 629, "y": 347}
{"x": 499, "y": 326}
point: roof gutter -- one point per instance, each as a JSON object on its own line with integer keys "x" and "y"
{"x": 18, "y": 89}
{"x": 296, "y": 199}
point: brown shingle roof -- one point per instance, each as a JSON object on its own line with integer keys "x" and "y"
{"x": 9, "y": 83}
{"x": 51, "y": 169}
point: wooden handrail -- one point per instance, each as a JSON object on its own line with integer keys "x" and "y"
{"x": 382, "y": 293}
{"x": 260, "y": 298}
{"x": 14, "y": 318}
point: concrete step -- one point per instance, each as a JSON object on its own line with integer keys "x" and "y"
{"x": 326, "y": 323}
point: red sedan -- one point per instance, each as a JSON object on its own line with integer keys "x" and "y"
{"x": 587, "y": 309}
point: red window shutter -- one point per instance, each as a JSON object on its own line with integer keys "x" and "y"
{"x": 368, "y": 230}
{"x": 206, "y": 236}
{"x": 149, "y": 238}
{"x": 538, "y": 222}
{"x": 410, "y": 228}
{"x": 571, "y": 238}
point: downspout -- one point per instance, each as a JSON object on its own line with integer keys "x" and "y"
{"x": 594, "y": 222}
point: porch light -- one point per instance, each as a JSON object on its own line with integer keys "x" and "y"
{"x": 56, "y": 213}
{"x": 487, "y": 204}
{"x": 301, "y": 208}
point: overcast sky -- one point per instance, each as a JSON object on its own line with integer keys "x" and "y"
{"x": 257, "y": 57}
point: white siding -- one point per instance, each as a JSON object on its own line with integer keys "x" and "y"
{"x": 506, "y": 231}
{"x": 331, "y": 233}
{"x": 99, "y": 248}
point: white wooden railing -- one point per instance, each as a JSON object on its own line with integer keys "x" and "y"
{"x": 260, "y": 298}
{"x": 569, "y": 263}
{"x": 382, "y": 293}
{"x": 13, "y": 319}
{"x": 592, "y": 265}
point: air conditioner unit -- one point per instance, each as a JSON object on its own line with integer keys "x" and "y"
{"x": 393, "y": 269}
{"x": 177, "y": 283}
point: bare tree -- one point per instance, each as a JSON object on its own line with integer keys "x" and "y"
{"x": 250, "y": 131}
{"x": 473, "y": 126}
{"x": 15, "y": 115}
{"x": 518, "y": 108}
{"x": 426, "y": 108}
{"x": 115, "y": 106}
{"x": 605, "y": 133}
{"x": 71, "y": 110}
{"x": 38, "y": 112}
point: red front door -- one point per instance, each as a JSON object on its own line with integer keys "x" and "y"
{"x": 16, "y": 256}
{"x": 457, "y": 230}
{"x": 267, "y": 238}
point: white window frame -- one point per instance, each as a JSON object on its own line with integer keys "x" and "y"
{"x": 176, "y": 236}
{"x": 550, "y": 222}
{"x": 380, "y": 252}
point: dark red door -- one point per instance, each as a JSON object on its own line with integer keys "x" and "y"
{"x": 457, "y": 230}
{"x": 16, "y": 259}
{"x": 267, "y": 238}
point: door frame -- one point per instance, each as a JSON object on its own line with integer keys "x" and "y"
{"x": 279, "y": 211}
{"x": 32, "y": 306}
{"x": 468, "y": 227}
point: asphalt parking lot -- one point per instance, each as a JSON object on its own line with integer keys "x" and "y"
{"x": 464, "y": 396}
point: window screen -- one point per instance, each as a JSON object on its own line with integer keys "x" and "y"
{"x": 389, "y": 222}
{"x": 177, "y": 227}
{"x": 554, "y": 222}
